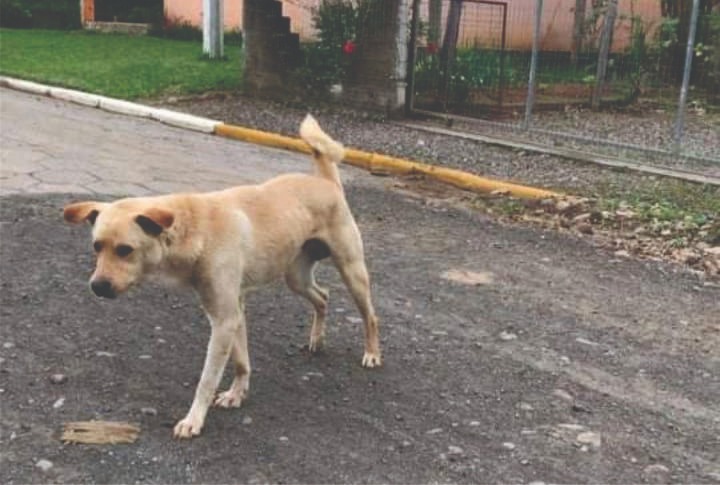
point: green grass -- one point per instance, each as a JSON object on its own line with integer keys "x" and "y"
{"x": 116, "y": 65}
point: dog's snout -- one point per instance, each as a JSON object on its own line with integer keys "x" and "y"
{"x": 103, "y": 288}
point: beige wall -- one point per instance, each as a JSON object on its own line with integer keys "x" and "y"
{"x": 191, "y": 11}
{"x": 481, "y": 23}
{"x": 300, "y": 14}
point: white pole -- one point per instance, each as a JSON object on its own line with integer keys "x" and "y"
{"x": 213, "y": 28}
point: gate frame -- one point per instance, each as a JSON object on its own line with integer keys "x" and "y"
{"x": 412, "y": 50}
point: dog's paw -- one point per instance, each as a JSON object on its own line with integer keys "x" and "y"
{"x": 229, "y": 399}
{"x": 371, "y": 360}
{"x": 187, "y": 428}
{"x": 316, "y": 343}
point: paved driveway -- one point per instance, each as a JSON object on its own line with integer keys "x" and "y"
{"x": 565, "y": 365}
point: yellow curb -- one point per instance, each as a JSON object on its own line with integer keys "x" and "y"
{"x": 375, "y": 162}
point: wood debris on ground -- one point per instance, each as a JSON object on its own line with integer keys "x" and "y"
{"x": 100, "y": 432}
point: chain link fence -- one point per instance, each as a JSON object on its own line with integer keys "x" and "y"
{"x": 634, "y": 78}
{"x": 631, "y": 79}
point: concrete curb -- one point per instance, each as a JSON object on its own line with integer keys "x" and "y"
{"x": 173, "y": 118}
{"x": 374, "y": 162}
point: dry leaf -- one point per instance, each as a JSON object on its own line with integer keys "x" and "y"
{"x": 100, "y": 432}
{"x": 468, "y": 277}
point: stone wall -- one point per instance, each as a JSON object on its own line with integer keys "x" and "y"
{"x": 271, "y": 50}
{"x": 377, "y": 76}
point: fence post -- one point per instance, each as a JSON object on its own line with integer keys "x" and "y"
{"x": 682, "y": 102}
{"x": 412, "y": 51}
{"x": 213, "y": 28}
{"x": 604, "y": 53}
{"x": 530, "y": 101}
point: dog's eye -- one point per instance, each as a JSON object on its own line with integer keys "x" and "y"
{"x": 97, "y": 246}
{"x": 123, "y": 250}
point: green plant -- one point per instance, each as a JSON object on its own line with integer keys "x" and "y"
{"x": 40, "y": 14}
{"x": 324, "y": 62}
{"x": 176, "y": 28}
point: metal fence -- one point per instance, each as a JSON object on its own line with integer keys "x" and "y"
{"x": 638, "y": 79}
{"x": 617, "y": 74}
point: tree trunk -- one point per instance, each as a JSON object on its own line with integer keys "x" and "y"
{"x": 578, "y": 31}
{"x": 447, "y": 53}
{"x": 604, "y": 53}
{"x": 434, "y": 21}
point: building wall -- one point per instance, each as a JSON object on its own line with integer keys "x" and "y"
{"x": 481, "y": 24}
{"x": 300, "y": 14}
{"x": 191, "y": 11}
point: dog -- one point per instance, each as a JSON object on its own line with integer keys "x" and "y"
{"x": 224, "y": 244}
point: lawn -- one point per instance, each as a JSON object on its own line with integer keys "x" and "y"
{"x": 115, "y": 65}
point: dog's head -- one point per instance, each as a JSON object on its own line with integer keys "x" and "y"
{"x": 127, "y": 238}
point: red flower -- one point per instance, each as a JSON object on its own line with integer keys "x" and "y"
{"x": 431, "y": 48}
{"x": 348, "y": 47}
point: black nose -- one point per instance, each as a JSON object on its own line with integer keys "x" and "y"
{"x": 103, "y": 288}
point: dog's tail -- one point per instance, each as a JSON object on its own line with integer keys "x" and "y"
{"x": 327, "y": 153}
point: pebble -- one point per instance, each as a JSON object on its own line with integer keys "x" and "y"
{"x": 589, "y": 438}
{"x": 247, "y": 420}
{"x": 434, "y": 431}
{"x": 44, "y": 465}
{"x": 59, "y": 403}
{"x": 144, "y": 357}
{"x": 455, "y": 450}
{"x": 284, "y": 439}
{"x": 526, "y": 407}
{"x": 564, "y": 395}
{"x": 585, "y": 341}
{"x": 508, "y": 445}
{"x": 474, "y": 423}
{"x": 354, "y": 320}
{"x": 571, "y": 426}
{"x": 149, "y": 411}
{"x": 8, "y": 345}
{"x": 656, "y": 468}
{"x": 102, "y": 353}
{"x": 505, "y": 336}
{"x": 58, "y": 378}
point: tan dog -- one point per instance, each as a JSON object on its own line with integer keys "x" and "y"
{"x": 228, "y": 242}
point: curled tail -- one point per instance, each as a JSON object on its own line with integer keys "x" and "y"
{"x": 327, "y": 153}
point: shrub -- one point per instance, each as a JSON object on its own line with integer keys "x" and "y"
{"x": 40, "y": 14}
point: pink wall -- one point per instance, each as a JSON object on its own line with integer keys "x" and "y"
{"x": 300, "y": 14}
{"x": 191, "y": 11}
{"x": 481, "y": 23}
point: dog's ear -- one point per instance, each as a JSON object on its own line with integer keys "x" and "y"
{"x": 82, "y": 211}
{"x": 155, "y": 220}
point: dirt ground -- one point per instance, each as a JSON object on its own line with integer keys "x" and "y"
{"x": 563, "y": 364}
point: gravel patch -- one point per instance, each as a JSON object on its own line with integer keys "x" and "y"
{"x": 369, "y": 131}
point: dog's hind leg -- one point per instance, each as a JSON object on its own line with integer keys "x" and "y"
{"x": 347, "y": 254}
{"x": 300, "y": 278}
{"x": 233, "y": 397}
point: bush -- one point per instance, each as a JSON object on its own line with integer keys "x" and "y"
{"x": 40, "y": 14}
{"x": 179, "y": 29}
{"x": 137, "y": 11}
{"x": 324, "y": 62}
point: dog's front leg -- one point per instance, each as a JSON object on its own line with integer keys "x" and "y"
{"x": 224, "y": 320}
